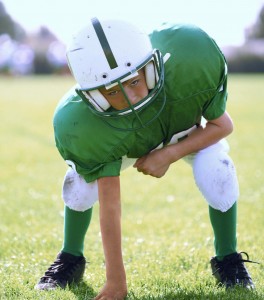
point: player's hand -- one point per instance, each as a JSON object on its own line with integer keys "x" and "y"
{"x": 155, "y": 164}
{"x": 112, "y": 291}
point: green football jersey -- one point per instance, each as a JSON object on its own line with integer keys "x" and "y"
{"x": 195, "y": 86}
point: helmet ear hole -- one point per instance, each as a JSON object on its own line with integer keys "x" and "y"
{"x": 150, "y": 75}
{"x": 99, "y": 100}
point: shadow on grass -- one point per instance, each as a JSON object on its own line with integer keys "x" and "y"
{"x": 220, "y": 294}
{"x": 82, "y": 291}
{"x": 86, "y": 292}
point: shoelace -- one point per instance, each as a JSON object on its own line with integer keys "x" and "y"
{"x": 234, "y": 267}
{"x": 248, "y": 260}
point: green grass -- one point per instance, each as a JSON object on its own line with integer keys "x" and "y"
{"x": 167, "y": 238}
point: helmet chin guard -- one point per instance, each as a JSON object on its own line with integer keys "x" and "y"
{"x": 107, "y": 54}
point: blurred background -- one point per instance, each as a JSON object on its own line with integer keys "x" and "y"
{"x": 34, "y": 35}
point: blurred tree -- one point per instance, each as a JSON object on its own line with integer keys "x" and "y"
{"x": 9, "y": 26}
{"x": 40, "y": 41}
{"x": 22, "y": 53}
{"x": 256, "y": 31}
{"x": 249, "y": 57}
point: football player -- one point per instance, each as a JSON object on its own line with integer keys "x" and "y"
{"x": 140, "y": 100}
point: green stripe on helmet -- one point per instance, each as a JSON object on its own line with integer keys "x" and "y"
{"x": 104, "y": 43}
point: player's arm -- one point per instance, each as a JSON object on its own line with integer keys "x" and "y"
{"x": 157, "y": 162}
{"x": 110, "y": 222}
{"x": 214, "y": 131}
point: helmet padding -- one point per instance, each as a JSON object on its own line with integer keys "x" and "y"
{"x": 98, "y": 100}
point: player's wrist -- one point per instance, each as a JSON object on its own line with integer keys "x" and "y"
{"x": 116, "y": 274}
{"x": 172, "y": 153}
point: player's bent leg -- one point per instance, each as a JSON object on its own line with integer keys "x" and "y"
{"x": 69, "y": 266}
{"x": 215, "y": 175}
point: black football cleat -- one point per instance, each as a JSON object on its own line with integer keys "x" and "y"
{"x": 66, "y": 269}
{"x": 231, "y": 271}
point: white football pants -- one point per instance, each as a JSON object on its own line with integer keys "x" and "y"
{"x": 214, "y": 173}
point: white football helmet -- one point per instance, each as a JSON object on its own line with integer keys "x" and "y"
{"x": 107, "y": 53}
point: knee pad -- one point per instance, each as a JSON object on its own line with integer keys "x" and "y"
{"x": 215, "y": 176}
{"x": 77, "y": 193}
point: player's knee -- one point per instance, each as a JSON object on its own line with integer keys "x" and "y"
{"x": 77, "y": 193}
{"x": 215, "y": 176}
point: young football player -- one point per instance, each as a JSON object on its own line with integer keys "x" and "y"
{"x": 140, "y": 100}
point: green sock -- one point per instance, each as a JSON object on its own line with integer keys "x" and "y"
{"x": 224, "y": 227}
{"x": 76, "y": 224}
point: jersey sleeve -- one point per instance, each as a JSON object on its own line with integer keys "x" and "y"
{"x": 216, "y": 106}
{"x": 90, "y": 169}
{"x": 90, "y": 173}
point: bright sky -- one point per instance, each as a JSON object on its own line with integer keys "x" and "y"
{"x": 224, "y": 20}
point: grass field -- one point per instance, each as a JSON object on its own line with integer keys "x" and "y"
{"x": 167, "y": 238}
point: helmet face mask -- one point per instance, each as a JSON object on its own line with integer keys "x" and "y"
{"x": 98, "y": 59}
